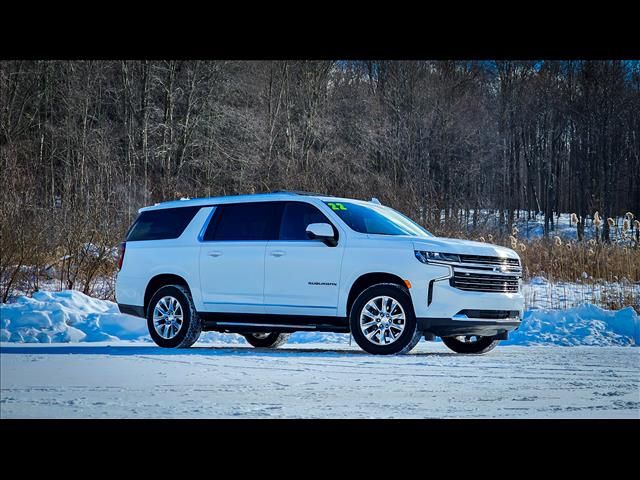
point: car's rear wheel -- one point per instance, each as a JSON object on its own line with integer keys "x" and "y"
{"x": 382, "y": 320}
{"x": 470, "y": 343}
{"x": 266, "y": 340}
{"x": 172, "y": 318}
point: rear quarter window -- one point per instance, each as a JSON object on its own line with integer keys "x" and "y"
{"x": 161, "y": 224}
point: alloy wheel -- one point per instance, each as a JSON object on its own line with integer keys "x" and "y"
{"x": 168, "y": 317}
{"x": 382, "y": 320}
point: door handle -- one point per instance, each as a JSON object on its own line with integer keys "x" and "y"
{"x": 277, "y": 253}
{"x": 214, "y": 253}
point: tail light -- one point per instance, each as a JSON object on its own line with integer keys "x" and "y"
{"x": 121, "y": 250}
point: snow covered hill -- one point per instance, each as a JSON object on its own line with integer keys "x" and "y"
{"x": 70, "y": 316}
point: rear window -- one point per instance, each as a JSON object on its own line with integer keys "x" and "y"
{"x": 161, "y": 224}
{"x": 245, "y": 221}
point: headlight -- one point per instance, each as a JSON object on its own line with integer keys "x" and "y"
{"x": 437, "y": 257}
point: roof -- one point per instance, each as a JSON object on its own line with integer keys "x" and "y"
{"x": 275, "y": 195}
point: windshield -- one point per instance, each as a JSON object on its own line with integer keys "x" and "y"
{"x": 376, "y": 219}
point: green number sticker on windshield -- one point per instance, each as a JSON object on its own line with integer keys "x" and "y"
{"x": 336, "y": 206}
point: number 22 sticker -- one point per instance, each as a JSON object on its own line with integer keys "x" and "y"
{"x": 336, "y": 206}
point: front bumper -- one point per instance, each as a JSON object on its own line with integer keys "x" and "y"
{"x": 447, "y": 301}
{"x": 449, "y": 311}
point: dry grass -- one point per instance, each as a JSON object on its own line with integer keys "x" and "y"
{"x": 558, "y": 259}
{"x": 608, "y": 274}
{"x": 571, "y": 261}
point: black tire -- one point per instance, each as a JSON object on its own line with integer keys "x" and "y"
{"x": 266, "y": 340}
{"x": 481, "y": 345}
{"x": 410, "y": 335}
{"x": 191, "y": 327}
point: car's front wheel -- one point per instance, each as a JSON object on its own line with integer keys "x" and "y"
{"x": 266, "y": 340}
{"x": 470, "y": 343}
{"x": 382, "y": 320}
{"x": 172, "y": 318}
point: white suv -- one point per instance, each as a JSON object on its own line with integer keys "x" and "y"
{"x": 266, "y": 265}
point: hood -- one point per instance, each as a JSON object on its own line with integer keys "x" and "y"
{"x": 468, "y": 247}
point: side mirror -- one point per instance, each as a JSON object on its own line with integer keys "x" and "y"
{"x": 322, "y": 231}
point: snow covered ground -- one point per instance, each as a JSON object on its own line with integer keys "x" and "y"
{"x": 138, "y": 380}
{"x": 539, "y": 293}
{"x": 563, "y": 227}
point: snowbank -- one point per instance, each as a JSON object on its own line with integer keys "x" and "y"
{"x": 70, "y": 316}
{"x": 586, "y": 324}
{"x": 67, "y": 316}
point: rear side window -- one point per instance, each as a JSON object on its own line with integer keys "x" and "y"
{"x": 245, "y": 221}
{"x": 296, "y": 217}
{"x": 161, "y": 224}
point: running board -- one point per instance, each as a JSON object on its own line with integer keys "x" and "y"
{"x": 255, "y": 322}
{"x": 267, "y": 325}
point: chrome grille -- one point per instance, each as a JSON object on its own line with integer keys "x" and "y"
{"x": 487, "y": 274}
{"x": 478, "y": 259}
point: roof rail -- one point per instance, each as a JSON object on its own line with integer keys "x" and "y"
{"x": 299, "y": 192}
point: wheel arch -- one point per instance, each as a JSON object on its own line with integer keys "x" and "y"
{"x": 160, "y": 280}
{"x": 367, "y": 280}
